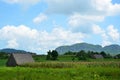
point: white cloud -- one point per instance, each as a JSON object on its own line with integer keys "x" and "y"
{"x": 97, "y": 29}
{"x": 77, "y": 19}
{"x": 11, "y": 1}
{"x": 71, "y": 6}
{"x": 66, "y": 6}
{"x": 59, "y": 37}
{"x": 10, "y": 32}
{"x": 106, "y": 43}
{"x": 106, "y": 7}
{"x": 24, "y": 3}
{"x": 113, "y": 33}
{"x": 12, "y": 43}
{"x": 40, "y": 18}
{"x": 19, "y": 36}
{"x": 105, "y": 39}
{"x": 109, "y": 35}
{"x": 102, "y": 33}
{"x": 26, "y": 38}
{"x": 83, "y": 13}
{"x": 90, "y": 7}
{"x": 83, "y": 23}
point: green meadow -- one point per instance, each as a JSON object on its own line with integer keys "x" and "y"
{"x": 63, "y": 69}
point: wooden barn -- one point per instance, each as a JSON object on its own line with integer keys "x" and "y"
{"x": 16, "y": 59}
{"x": 97, "y": 56}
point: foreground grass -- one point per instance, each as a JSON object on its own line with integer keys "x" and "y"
{"x": 63, "y": 71}
{"x": 3, "y": 62}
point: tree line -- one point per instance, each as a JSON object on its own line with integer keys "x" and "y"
{"x": 83, "y": 55}
{"x": 3, "y": 55}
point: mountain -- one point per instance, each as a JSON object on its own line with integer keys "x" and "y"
{"x": 111, "y": 49}
{"x": 9, "y": 50}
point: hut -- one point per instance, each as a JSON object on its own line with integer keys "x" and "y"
{"x": 16, "y": 59}
{"x": 97, "y": 56}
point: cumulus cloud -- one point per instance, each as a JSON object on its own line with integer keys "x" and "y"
{"x": 83, "y": 13}
{"x": 83, "y": 23}
{"x": 94, "y": 7}
{"x": 18, "y": 36}
{"x": 100, "y": 8}
{"x": 102, "y": 33}
{"x": 12, "y": 44}
{"x": 40, "y": 18}
{"x": 78, "y": 19}
{"x": 67, "y": 6}
{"x": 105, "y": 39}
{"x": 106, "y": 7}
{"x": 11, "y": 1}
{"x": 113, "y": 33}
{"x": 24, "y": 3}
{"x": 24, "y": 37}
{"x": 11, "y": 32}
{"x": 109, "y": 35}
{"x": 106, "y": 43}
{"x": 97, "y": 29}
{"x": 58, "y": 37}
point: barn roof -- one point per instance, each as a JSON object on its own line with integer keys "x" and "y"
{"x": 21, "y": 58}
{"x": 97, "y": 56}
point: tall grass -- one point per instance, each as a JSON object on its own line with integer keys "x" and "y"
{"x": 51, "y": 71}
{"x": 57, "y": 64}
{"x": 60, "y": 70}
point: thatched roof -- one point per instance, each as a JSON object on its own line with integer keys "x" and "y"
{"x": 19, "y": 59}
{"x": 97, "y": 56}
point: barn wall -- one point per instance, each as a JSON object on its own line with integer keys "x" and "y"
{"x": 11, "y": 61}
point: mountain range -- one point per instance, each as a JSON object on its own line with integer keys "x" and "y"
{"x": 111, "y": 49}
{"x": 9, "y": 50}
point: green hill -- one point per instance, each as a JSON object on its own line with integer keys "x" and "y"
{"x": 111, "y": 49}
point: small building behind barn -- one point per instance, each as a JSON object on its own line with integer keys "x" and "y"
{"x": 97, "y": 56}
{"x": 17, "y": 59}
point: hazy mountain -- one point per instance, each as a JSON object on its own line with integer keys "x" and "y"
{"x": 112, "y": 49}
{"x": 9, "y": 50}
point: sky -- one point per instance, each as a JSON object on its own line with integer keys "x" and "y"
{"x": 42, "y": 25}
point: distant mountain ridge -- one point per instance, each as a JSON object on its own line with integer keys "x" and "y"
{"x": 9, "y": 50}
{"x": 111, "y": 49}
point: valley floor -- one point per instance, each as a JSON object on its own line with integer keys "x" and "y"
{"x": 63, "y": 69}
{"x": 109, "y": 70}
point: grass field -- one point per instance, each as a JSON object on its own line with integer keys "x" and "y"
{"x": 2, "y": 62}
{"x": 63, "y": 69}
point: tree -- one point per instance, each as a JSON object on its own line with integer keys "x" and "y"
{"x": 117, "y": 56}
{"x": 54, "y": 55}
{"x": 103, "y": 54}
{"x": 48, "y": 55}
{"x": 70, "y": 53}
{"x": 3, "y": 55}
{"x": 81, "y": 55}
{"x": 90, "y": 54}
{"x": 108, "y": 56}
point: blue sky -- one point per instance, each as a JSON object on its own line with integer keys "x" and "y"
{"x": 42, "y": 25}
